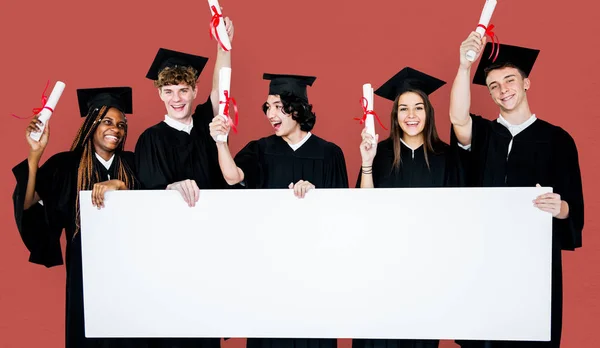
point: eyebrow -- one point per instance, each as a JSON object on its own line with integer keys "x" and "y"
{"x": 113, "y": 120}
{"x": 504, "y": 78}
{"x": 419, "y": 103}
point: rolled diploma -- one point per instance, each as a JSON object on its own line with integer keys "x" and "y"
{"x": 369, "y": 121}
{"x": 45, "y": 114}
{"x": 486, "y": 16}
{"x": 221, "y": 27}
{"x": 224, "y": 85}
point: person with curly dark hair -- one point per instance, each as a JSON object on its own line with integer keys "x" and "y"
{"x": 293, "y": 157}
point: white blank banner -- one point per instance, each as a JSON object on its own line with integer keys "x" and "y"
{"x": 365, "y": 263}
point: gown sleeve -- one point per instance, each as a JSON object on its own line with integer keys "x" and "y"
{"x": 39, "y": 226}
{"x": 567, "y": 179}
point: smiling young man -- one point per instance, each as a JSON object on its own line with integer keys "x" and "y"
{"x": 519, "y": 150}
{"x": 292, "y": 157}
{"x": 178, "y": 153}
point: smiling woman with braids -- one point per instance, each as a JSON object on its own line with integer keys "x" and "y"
{"x": 46, "y": 200}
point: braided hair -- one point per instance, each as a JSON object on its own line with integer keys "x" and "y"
{"x": 83, "y": 143}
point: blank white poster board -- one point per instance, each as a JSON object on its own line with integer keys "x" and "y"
{"x": 470, "y": 263}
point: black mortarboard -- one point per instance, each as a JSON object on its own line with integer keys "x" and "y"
{"x": 521, "y": 57}
{"x": 168, "y": 58}
{"x": 407, "y": 79}
{"x": 116, "y": 97}
{"x": 289, "y": 84}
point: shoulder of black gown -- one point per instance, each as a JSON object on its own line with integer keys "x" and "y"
{"x": 313, "y": 148}
{"x": 543, "y": 130}
{"x": 41, "y": 236}
{"x": 452, "y": 161}
{"x": 248, "y": 160}
{"x": 336, "y": 175}
{"x": 385, "y": 146}
{"x": 469, "y": 162}
{"x": 274, "y": 144}
{"x": 128, "y": 160}
{"x": 128, "y": 157}
{"x": 54, "y": 171}
{"x": 457, "y": 164}
{"x": 568, "y": 184}
{"x": 441, "y": 148}
{"x": 482, "y": 129}
{"x": 203, "y": 114}
{"x": 441, "y": 151}
{"x": 149, "y": 157}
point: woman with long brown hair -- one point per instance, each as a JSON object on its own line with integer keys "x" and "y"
{"x": 413, "y": 155}
{"x": 46, "y": 199}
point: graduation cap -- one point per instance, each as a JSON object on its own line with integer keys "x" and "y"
{"x": 115, "y": 97}
{"x": 521, "y": 57}
{"x": 289, "y": 84}
{"x": 167, "y": 59}
{"x": 408, "y": 79}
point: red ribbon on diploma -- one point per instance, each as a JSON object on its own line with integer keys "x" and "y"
{"x": 38, "y": 110}
{"x": 230, "y": 122}
{"x": 364, "y": 103}
{"x": 489, "y": 31}
{"x": 214, "y": 22}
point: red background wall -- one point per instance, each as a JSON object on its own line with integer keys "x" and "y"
{"x": 110, "y": 43}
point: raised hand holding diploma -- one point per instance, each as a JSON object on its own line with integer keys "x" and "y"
{"x": 484, "y": 28}
{"x": 224, "y": 100}
{"x": 217, "y": 25}
{"x": 37, "y": 146}
{"x": 368, "y": 119}
{"x": 44, "y": 112}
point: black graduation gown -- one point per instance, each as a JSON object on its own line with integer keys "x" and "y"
{"x": 165, "y": 155}
{"x": 271, "y": 163}
{"x": 41, "y": 227}
{"x": 443, "y": 169}
{"x": 541, "y": 154}
{"x": 413, "y": 172}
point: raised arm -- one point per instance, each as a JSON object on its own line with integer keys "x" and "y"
{"x": 223, "y": 61}
{"x": 36, "y": 149}
{"x": 231, "y": 172}
{"x": 460, "y": 96}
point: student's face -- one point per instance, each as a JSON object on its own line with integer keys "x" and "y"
{"x": 507, "y": 87}
{"x": 178, "y": 100}
{"x": 282, "y": 123}
{"x": 411, "y": 113}
{"x": 111, "y": 130}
